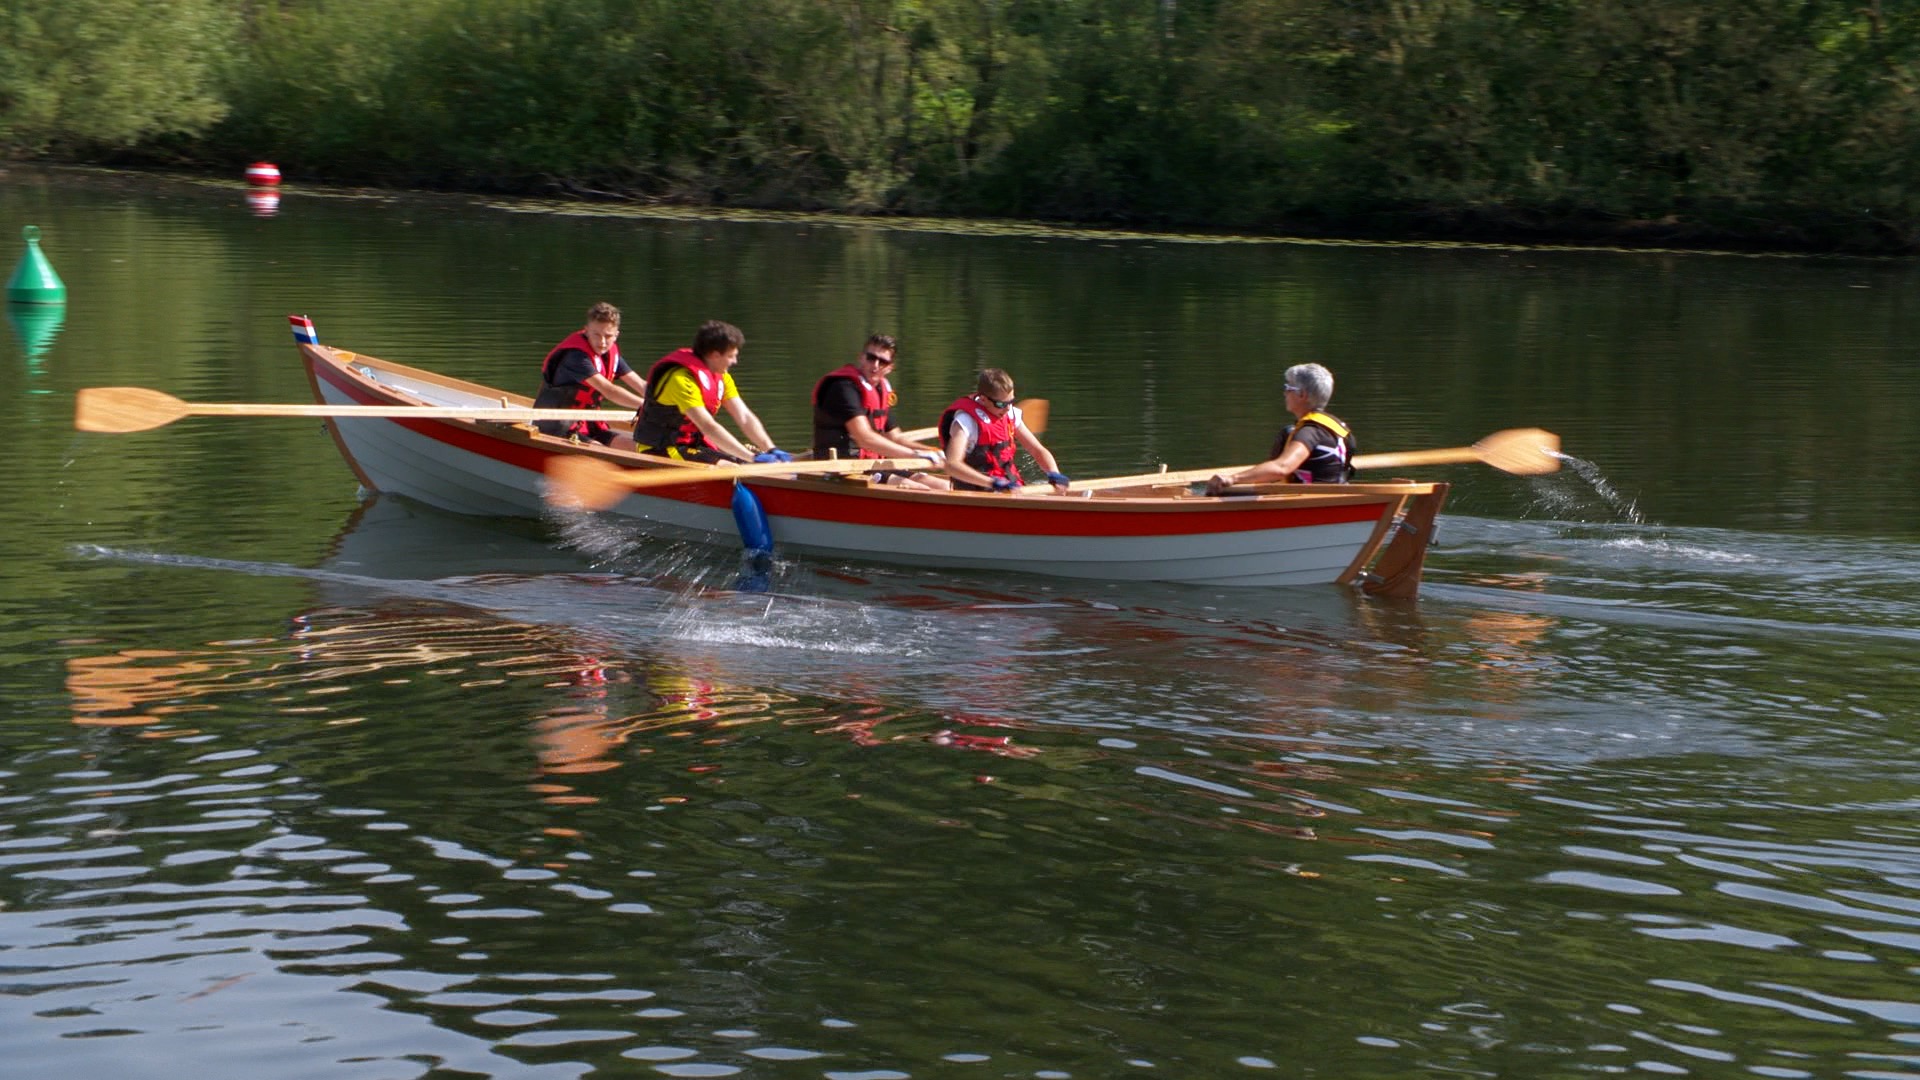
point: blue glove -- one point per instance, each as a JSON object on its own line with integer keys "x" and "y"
{"x": 1001, "y": 483}
{"x": 773, "y": 455}
{"x": 1058, "y": 478}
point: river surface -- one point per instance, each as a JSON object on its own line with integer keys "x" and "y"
{"x": 297, "y": 782}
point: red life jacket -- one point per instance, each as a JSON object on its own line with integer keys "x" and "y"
{"x": 993, "y": 452}
{"x": 660, "y": 425}
{"x": 830, "y": 433}
{"x": 883, "y": 416}
{"x": 576, "y": 395}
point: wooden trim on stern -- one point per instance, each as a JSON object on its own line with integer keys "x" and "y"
{"x": 1396, "y": 575}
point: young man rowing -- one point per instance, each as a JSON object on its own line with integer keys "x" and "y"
{"x": 853, "y": 416}
{"x": 584, "y": 370}
{"x": 686, "y": 389}
{"x": 982, "y": 433}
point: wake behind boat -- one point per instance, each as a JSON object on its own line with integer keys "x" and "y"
{"x": 1146, "y": 531}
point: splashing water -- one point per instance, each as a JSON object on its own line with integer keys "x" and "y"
{"x": 1569, "y": 502}
{"x": 691, "y": 565}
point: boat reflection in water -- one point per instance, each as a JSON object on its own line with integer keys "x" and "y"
{"x": 408, "y": 587}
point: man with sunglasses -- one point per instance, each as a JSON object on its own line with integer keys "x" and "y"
{"x": 983, "y": 431}
{"x": 1317, "y": 449}
{"x": 853, "y": 416}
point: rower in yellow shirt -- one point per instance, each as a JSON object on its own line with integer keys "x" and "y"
{"x": 687, "y": 389}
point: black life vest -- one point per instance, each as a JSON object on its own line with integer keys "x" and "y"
{"x": 660, "y": 425}
{"x": 1325, "y": 464}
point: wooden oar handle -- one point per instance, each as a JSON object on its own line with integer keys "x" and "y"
{"x": 1399, "y": 459}
{"x": 641, "y": 479}
{"x": 121, "y": 409}
{"x": 503, "y": 414}
{"x": 578, "y": 481}
{"x": 1159, "y": 479}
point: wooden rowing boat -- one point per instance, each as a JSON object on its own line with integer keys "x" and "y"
{"x": 1374, "y": 536}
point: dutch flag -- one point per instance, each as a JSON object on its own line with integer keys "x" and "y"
{"x": 303, "y": 331}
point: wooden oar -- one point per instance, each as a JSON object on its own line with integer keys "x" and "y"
{"x": 1526, "y": 451}
{"x": 1517, "y": 450}
{"x": 1033, "y": 413}
{"x": 587, "y": 483}
{"x": 131, "y": 408}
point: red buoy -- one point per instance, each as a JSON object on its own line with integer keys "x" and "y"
{"x": 263, "y": 173}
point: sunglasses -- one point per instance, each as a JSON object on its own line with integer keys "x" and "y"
{"x": 1292, "y": 389}
{"x": 878, "y": 359}
{"x": 1007, "y": 404}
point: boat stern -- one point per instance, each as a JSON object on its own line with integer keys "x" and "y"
{"x": 1396, "y": 572}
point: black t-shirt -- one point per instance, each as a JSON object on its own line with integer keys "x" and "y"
{"x": 839, "y": 402}
{"x": 573, "y": 367}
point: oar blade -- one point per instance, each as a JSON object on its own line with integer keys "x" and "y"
{"x": 1526, "y": 451}
{"x": 120, "y": 409}
{"x": 1033, "y": 413}
{"x": 578, "y": 482}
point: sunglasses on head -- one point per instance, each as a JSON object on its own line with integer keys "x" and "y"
{"x": 877, "y": 358}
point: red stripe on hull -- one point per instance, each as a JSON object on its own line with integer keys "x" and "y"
{"x": 1033, "y": 517}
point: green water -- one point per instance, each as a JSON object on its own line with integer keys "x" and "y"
{"x": 302, "y": 784}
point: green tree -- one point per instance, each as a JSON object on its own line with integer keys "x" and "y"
{"x": 1726, "y": 117}
{"x": 83, "y": 75}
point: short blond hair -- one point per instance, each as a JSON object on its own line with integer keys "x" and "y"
{"x": 604, "y": 312}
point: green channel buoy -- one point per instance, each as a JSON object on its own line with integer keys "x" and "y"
{"x": 34, "y": 281}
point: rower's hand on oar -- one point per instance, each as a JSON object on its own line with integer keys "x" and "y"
{"x": 772, "y": 455}
{"x": 1218, "y": 485}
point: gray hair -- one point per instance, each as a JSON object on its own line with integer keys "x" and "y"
{"x": 1312, "y": 380}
